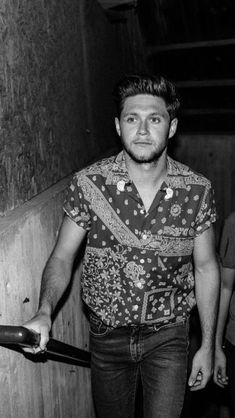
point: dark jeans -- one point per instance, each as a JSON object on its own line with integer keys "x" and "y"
{"x": 121, "y": 356}
{"x": 230, "y": 356}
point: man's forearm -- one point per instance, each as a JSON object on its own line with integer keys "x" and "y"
{"x": 207, "y": 296}
{"x": 55, "y": 280}
{"x": 227, "y": 284}
{"x": 223, "y": 311}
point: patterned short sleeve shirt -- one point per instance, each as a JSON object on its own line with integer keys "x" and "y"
{"x": 137, "y": 267}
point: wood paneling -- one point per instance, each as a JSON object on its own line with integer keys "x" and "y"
{"x": 191, "y": 43}
{"x": 166, "y": 22}
{"x": 40, "y": 59}
{"x": 31, "y": 388}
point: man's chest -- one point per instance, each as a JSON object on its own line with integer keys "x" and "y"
{"x": 122, "y": 217}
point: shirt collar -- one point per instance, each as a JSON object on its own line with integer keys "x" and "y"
{"x": 119, "y": 171}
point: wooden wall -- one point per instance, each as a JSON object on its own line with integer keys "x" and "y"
{"x": 40, "y": 59}
{"x": 31, "y": 388}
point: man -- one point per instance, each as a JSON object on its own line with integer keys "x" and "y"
{"x": 148, "y": 221}
{"x": 224, "y": 368}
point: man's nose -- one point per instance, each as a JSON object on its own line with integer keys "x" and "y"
{"x": 143, "y": 127}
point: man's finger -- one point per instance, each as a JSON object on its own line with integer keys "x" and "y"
{"x": 197, "y": 380}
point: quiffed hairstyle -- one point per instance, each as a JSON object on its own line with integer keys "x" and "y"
{"x": 131, "y": 85}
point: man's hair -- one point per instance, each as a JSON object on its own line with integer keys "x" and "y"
{"x": 131, "y": 85}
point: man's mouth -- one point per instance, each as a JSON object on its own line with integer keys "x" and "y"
{"x": 142, "y": 142}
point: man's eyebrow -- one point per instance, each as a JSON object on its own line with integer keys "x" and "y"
{"x": 159, "y": 113}
{"x": 155, "y": 113}
{"x": 130, "y": 113}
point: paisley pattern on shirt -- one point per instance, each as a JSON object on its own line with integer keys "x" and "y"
{"x": 138, "y": 265}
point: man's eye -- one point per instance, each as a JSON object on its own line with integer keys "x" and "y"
{"x": 155, "y": 119}
{"x": 131, "y": 119}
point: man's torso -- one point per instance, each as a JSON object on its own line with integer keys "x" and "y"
{"x": 138, "y": 265}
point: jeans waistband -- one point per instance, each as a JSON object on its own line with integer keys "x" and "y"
{"x": 154, "y": 326}
{"x": 157, "y": 327}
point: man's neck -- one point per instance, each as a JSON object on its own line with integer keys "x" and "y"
{"x": 147, "y": 174}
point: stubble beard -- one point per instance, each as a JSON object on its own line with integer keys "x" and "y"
{"x": 152, "y": 158}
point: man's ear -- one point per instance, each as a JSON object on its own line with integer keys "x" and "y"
{"x": 173, "y": 127}
{"x": 117, "y": 124}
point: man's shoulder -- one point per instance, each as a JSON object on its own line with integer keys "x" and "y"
{"x": 182, "y": 170}
{"x": 99, "y": 167}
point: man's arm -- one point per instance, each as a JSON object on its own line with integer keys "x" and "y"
{"x": 55, "y": 279}
{"x": 207, "y": 292}
{"x": 227, "y": 283}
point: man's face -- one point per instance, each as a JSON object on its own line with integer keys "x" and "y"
{"x": 144, "y": 127}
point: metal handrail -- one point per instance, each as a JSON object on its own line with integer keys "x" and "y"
{"x": 21, "y": 336}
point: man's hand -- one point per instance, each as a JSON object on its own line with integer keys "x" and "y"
{"x": 201, "y": 369}
{"x": 40, "y": 323}
{"x": 220, "y": 377}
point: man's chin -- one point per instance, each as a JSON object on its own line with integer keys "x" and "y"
{"x": 143, "y": 159}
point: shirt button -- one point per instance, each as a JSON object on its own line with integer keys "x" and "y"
{"x": 121, "y": 185}
{"x": 135, "y": 308}
{"x": 139, "y": 285}
{"x": 142, "y": 211}
{"x": 144, "y": 236}
{"x": 142, "y": 261}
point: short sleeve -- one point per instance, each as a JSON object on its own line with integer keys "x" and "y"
{"x": 75, "y": 204}
{"x": 207, "y": 211}
{"x": 227, "y": 243}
